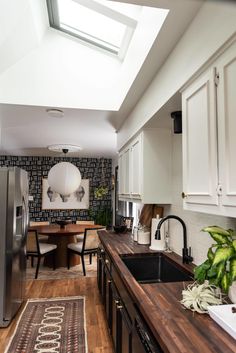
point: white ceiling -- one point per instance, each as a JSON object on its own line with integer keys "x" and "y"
{"x": 28, "y": 130}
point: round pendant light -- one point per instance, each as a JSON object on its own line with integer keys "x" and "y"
{"x": 64, "y": 177}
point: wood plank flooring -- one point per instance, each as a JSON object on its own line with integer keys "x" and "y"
{"x": 99, "y": 340}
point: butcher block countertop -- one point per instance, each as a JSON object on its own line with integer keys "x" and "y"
{"x": 177, "y": 330}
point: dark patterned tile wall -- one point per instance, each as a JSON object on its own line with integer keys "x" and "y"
{"x": 38, "y": 168}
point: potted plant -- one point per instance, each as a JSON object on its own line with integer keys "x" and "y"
{"x": 103, "y": 216}
{"x": 220, "y": 267}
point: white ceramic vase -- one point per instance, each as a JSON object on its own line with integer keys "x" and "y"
{"x": 232, "y": 292}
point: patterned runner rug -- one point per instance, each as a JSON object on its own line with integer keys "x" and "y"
{"x": 51, "y": 326}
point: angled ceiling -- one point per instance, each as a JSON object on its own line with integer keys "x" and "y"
{"x": 95, "y": 91}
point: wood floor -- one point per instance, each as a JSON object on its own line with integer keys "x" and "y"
{"x": 99, "y": 340}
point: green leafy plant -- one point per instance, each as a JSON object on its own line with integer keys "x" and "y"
{"x": 102, "y": 216}
{"x": 220, "y": 267}
{"x": 100, "y": 192}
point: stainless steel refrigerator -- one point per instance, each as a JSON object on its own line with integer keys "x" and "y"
{"x": 13, "y": 232}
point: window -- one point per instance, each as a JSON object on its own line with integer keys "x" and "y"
{"x": 96, "y": 22}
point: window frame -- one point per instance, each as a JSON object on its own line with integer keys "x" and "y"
{"x": 130, "y": 23}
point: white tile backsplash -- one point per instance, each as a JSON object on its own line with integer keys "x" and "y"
{"x": 195, "y": 221}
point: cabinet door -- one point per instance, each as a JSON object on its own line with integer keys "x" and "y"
{"x": 115, "y": 319}
{"x": 108, "y": 298}
{"x": 125, "y": 331}
{"x": 136, "y": 163}
{"x": 200, "y": 169}
{"x": 227, "y": 125}
{"x": 99, "y": 271}
{"x": 124, "y": 172}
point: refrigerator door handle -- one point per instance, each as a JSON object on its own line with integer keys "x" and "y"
{"x": 18, "y": 237}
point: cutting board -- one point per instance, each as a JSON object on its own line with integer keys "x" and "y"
{"x": 148, "y": 212}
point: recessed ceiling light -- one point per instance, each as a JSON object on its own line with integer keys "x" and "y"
{"x": 64, "y": 147}
{"x": 55, "y": 113}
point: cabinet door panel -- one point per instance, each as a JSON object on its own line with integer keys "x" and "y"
{"x": 126, "y": 338}
{"x": 227, "y": 125}
{"x": 199, "y": 141}
{"x": 124, "y": 172}
{"x": 136, "y": 162}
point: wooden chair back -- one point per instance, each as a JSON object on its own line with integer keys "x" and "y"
{"x": 32, "y": 242}
{"x": 84, "y": 222}
{"x": 45, "y": 223}
{"x": 91, "y": 239}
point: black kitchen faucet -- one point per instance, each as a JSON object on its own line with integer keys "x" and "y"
{"x": 186, "y": 253}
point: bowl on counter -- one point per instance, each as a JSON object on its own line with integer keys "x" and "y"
{"x": 63, "y": 222}
{"x": 120, "y": 228}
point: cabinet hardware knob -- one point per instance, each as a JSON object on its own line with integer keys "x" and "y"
{"x": 107, "y": 261}
{"x": 184, "y": 195}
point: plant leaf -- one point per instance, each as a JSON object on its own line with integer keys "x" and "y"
{"x": 214, "y": 280}
{"x": 234, "y": 244}
{"x": 212, "y": 272}
{"x": 232, "y": 270}
{"x": 220, "y": 239}
{"x": 221, "y": 268}
{"x": 217, "y": 230}
{"x": 225, "y": 283}
{"x": 201, "y": 271}
{"x": 210, "y": 254}
{"x": 222, "y": 254}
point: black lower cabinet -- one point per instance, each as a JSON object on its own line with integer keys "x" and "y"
{"x": 108, "y": 297}
{"x": 121, "y": 325}
{"x": 125, "y": 331}
{"x": 129, "y": 332}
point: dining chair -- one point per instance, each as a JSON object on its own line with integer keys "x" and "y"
{"x": 80, "y": 237}
{"x": 42, "y": 238}
{"x": 88, "y": 246}
{"x": 34, "y": 248}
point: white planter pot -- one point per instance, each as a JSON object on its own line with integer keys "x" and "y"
{"x": 232, "y": 292}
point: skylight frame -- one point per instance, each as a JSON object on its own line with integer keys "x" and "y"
{"x": 130, "y": 23}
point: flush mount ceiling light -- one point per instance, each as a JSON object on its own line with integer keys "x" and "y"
{"x": 55, "y": 113}
{"x": 64, "y": 177}
{"x": 65, "y": 148}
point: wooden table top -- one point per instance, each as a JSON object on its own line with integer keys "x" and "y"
{"x": 70, "y": 229}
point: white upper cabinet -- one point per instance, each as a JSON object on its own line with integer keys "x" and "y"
{"x": 124, "y": 170}
{"x": 149, "y": 175}
{"x": 226, "y": 67}
{"x": 199, "y": 141}
{"x": 209, "y": 142}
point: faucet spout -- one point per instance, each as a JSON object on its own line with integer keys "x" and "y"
{"x": 186, "y": 253}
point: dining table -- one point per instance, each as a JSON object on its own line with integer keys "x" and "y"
{"x": 62, "y": 236}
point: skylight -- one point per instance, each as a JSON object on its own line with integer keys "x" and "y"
{"x": 97, "y": 22}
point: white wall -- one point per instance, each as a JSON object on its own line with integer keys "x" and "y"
{"x": 199, "y": 241}
{"x": 212, "y": 26}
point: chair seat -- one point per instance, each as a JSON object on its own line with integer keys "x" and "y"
{"x": 75, "y": 247}
{"x": 44, "y": 247}
{"x": 80, "y": 237}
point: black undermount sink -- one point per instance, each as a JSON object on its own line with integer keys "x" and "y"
{"x": 155, "y": 268}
